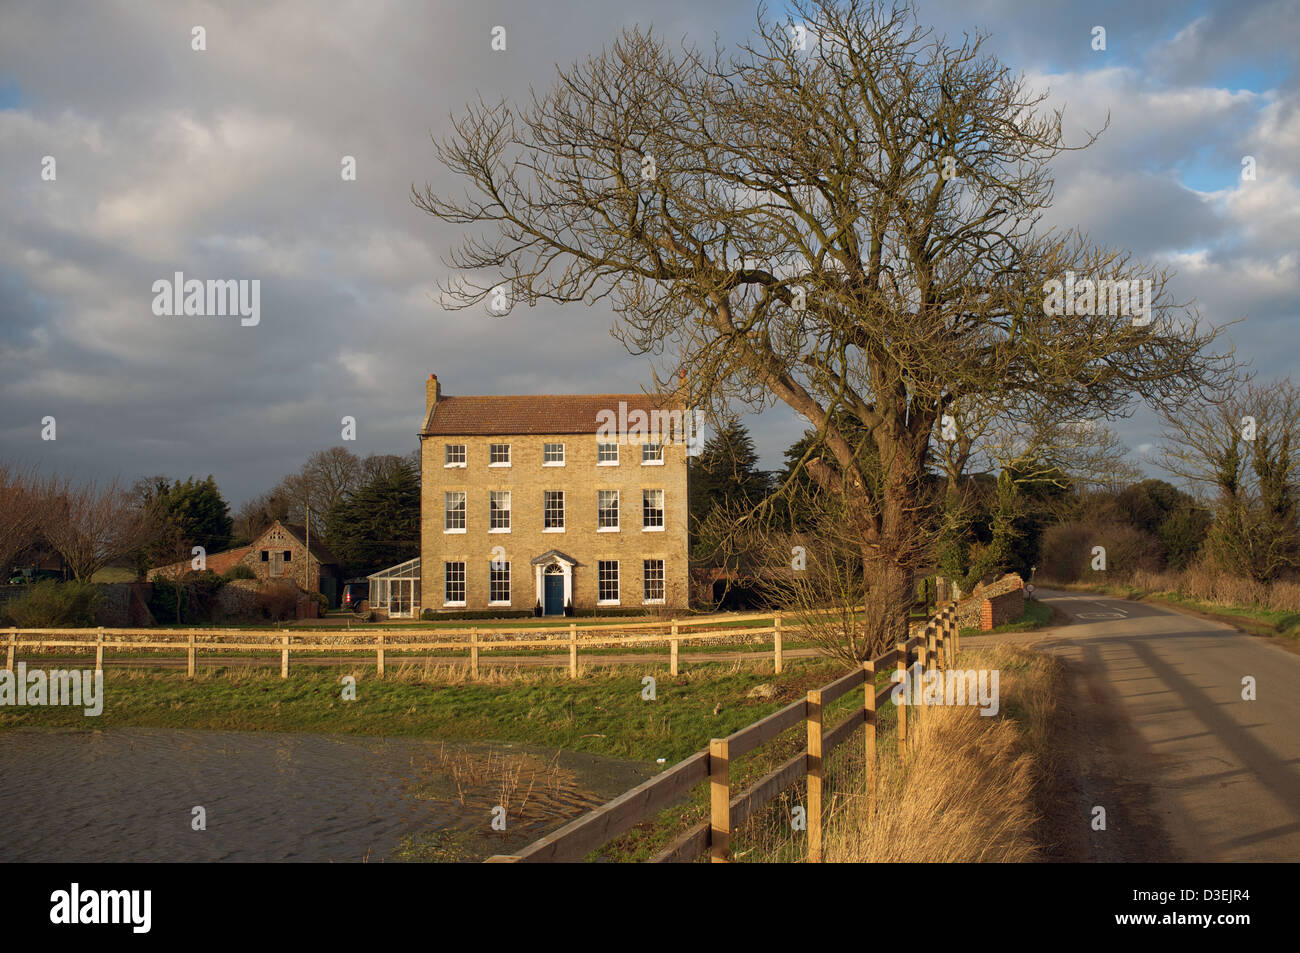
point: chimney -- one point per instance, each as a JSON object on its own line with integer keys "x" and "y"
{"x": 432, "y": 393}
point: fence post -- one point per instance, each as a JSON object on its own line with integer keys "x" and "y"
{"x": 13, "y": 645}
{"x": 950, "y": 640}
{"x": 776, "y": 629}
{"x": 956, "y": 629}
{"x": 473, "y": 651}
{"x": 284, "y": 656}
{"x": 379, "y": 653}
{"x": 672, "y": 652}
{"x": 814, "y": 777}
{"x": 189, "y": 657}
{"x": 573, "y": 650}
{"x": 923, "y": 663}
{"x": 869, "y": 734}
{"x": 903, "y": 672}
{"x": 99, "y": 649}
{"x": 719, "y": 802}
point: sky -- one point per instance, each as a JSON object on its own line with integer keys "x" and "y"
{"x": 226, "y": 163}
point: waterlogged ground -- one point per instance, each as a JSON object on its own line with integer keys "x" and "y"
{"x": 127, "y": 794}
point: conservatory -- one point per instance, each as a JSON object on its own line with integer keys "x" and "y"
{"x": 396, "y": 590}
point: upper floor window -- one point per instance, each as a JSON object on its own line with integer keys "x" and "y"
{"x": 453, "y": 455}
{"x": 607, "y": 454}
{"x": 606, "y": 510}
{"x": 453, "y": 510}
{"x": 652, "y": 509}
{"x": 553, "y": 455}
{"x": 499, "y": 511}
{"x": 652, "y": 454}
{"x": 499, "y": 455}
{"x": 553, "y": 511}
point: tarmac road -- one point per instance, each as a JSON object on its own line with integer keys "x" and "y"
{"x": 1156, "y": 730}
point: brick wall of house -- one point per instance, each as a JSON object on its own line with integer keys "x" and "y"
{"x": 526, "y": 478}
{"x": 274, "y": 543}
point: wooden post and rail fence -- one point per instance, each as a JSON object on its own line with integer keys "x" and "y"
{"x": 933, "y": 646}
{"x": 382, "y": 643}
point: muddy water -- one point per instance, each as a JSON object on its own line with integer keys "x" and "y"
{"x": 128, "y": 794}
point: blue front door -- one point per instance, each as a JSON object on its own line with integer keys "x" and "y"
{"x": 554, "y": 604}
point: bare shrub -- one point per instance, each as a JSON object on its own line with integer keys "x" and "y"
{"x": 1068, "y": 552}
{"x": 89, "y": 524}
{"x": 278, "y": 600}
{"x": 17, "y": 515}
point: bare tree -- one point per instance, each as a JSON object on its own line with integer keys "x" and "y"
{"x": 1243, "y": 451}
{"x": 17, "y": 515}
{"x": 851, "y": 228}
{"x": 89, "y": 525}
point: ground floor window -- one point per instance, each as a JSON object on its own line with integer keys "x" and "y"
{"x": 653, "y": 580}
{"x": 499, "y": 583}
{"x": 607, "y": 580}
{"x": 454, "y": 575}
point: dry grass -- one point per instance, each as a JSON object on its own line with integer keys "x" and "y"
{"x": 966, "y": 789}
{"x": 1202, "y": 581}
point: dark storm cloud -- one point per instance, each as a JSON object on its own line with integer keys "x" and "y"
{"x": 225, "y": 164}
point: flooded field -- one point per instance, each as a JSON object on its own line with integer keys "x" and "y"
{"x": 129, "y": 794}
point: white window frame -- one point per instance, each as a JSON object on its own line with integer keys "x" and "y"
{"x": 492, "y": 568}
{"x": 493, "y": 513}
{"x": 546, "y": 450}
{"x": 617, "y": 518}
{"x": 663, "y": 582}
{"x": 498, "y": 463}
{"x": 446, "y": 512}
{"x": 448, "y": 463}
{"x": 663, "y": 510}
{"x": 601, "y": 446}
{"x": 446, "y": 572}
{"x": 656, "y": 461}
{"x": 563, "y": 520}
{"x": 617, "y": 582}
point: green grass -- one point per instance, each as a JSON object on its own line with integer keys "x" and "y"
{"x": 602, "y": 713}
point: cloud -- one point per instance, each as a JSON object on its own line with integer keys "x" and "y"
{"x": 225, "y": 164}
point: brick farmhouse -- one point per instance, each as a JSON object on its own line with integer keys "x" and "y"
{"x": 280, "y": 552}
{"x": 552, "y": 503}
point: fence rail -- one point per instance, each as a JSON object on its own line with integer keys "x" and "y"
{"x": 471, "y": 640}
{"x": 932, "y": 646}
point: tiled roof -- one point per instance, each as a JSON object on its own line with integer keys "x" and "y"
{"x": 318, "y": 549}
{"x": 216, "y": 562}
{"x": 541, "y": 414}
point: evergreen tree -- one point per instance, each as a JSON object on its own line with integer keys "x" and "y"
{"x": 378, "y": 525}
{"x": 725, "y": 474}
